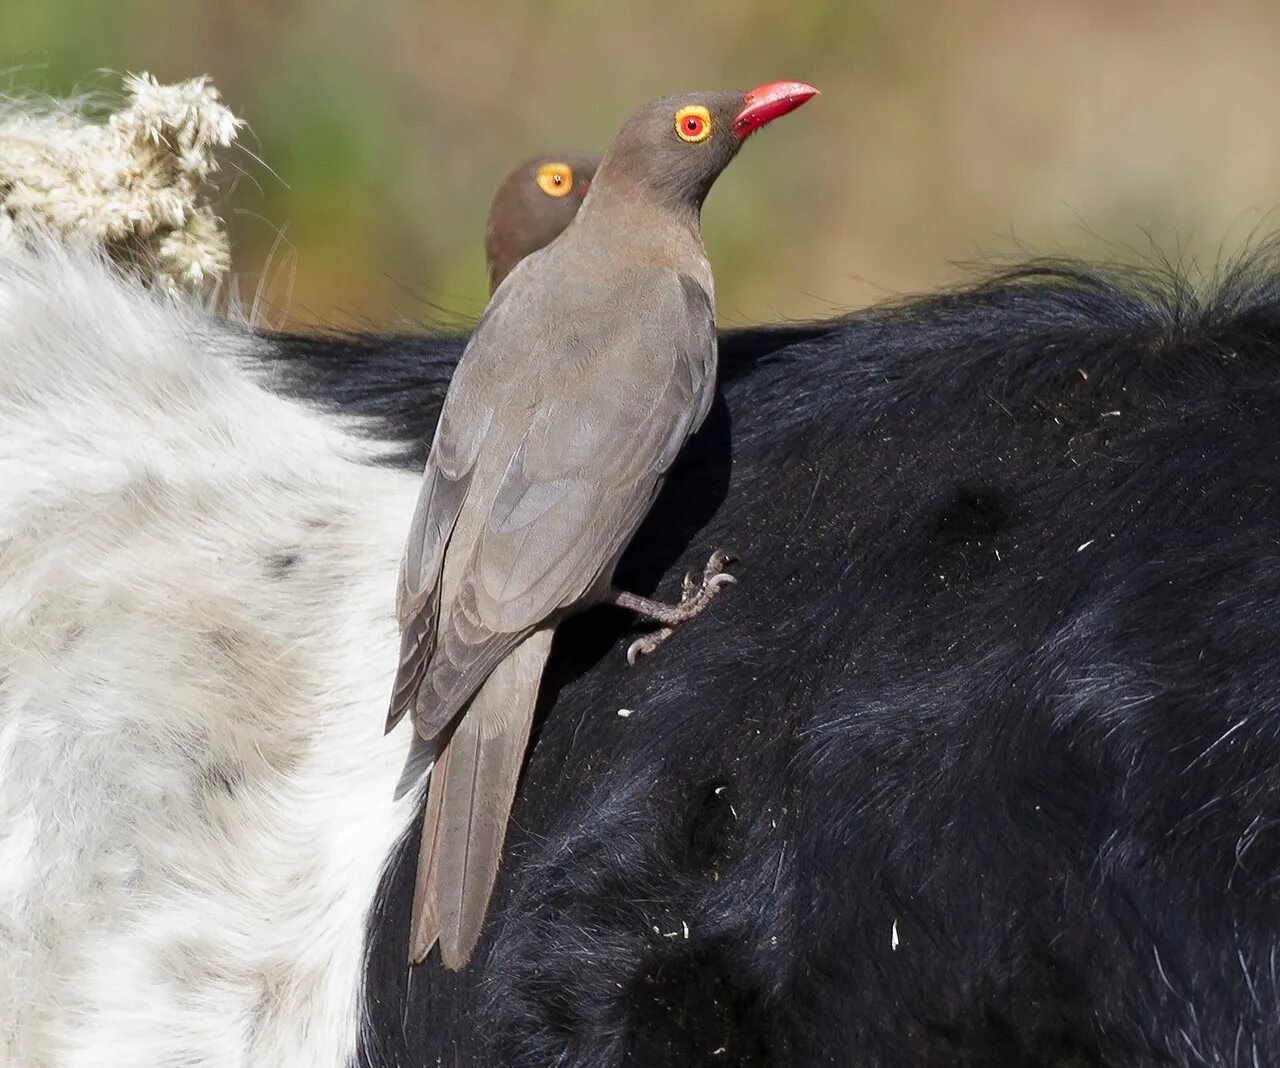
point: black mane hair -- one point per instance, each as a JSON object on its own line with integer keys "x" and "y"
{"x": 975, "y": 766}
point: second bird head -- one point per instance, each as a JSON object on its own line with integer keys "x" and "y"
{"x": 534, "y": 203}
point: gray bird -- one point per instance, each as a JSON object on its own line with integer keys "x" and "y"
{"x": 592, "y": 364}
{"x": 532, "y": 206}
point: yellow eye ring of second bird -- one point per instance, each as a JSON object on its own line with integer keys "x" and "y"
{"x": 555, "y": 179}
{"x": 693, "y": 123}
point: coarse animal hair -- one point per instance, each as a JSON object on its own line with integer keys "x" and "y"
{"x": 196, "y": 619}
{"x": 974, "y": 767}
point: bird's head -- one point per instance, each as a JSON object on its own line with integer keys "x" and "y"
{"x": 673, "y": 149}
{"x": 533, "y": 205}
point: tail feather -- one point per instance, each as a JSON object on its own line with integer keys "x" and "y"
{"x": 472, "y": 788}
{"x": 424, "y": 930}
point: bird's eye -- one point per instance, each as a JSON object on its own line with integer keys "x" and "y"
{"x": 693, "y": 123}
{"x": 555, "y": 179}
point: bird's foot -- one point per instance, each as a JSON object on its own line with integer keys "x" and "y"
{"x": 647, "y": 644}
{"x": 696, "y": 594}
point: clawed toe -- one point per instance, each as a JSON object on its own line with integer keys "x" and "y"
{"x": 698, "y": 592}
{"x": 720, "y": 559}
{"x": 647, "y": 644}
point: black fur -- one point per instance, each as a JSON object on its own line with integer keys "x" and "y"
{"x": 999, "y": 682}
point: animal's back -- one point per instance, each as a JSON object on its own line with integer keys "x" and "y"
{"x": 196, "y": 634}
{"x": 974, "y": 767}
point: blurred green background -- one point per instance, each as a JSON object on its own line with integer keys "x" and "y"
{"x": 946, "y": 131}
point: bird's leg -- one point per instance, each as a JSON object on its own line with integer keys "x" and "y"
{"x": 696, "y": 594}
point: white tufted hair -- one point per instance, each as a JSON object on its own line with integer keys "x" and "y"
{"x": 197, "y": 639}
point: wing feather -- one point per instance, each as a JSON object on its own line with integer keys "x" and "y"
{"x": 606, "y": 419}
{"x": 587, "y": 470}
{"x": 465, "y": 420}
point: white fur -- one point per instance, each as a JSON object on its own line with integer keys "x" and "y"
{"x": 195, "y": 792}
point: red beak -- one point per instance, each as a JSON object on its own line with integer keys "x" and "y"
{"x": 582, "y": 189}
{"x": 768, "y": 102}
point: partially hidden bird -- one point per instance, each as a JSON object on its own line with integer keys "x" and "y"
{"x": 532, "y": 206}
{"x": 592, "y": 364}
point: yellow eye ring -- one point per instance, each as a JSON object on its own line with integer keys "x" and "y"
{"x": 693, "y": 123}
{"x": 555, "y": 179}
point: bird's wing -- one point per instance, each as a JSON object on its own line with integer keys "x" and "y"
{"x": 475, "y": 393}
{"x": 586, "y": 472}
{"x": 616, "y": 406}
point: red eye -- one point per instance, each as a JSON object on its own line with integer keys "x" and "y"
{"x": 693, "y": 123}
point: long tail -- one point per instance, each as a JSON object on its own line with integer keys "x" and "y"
{"x": 473, "y": 785}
